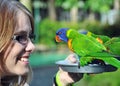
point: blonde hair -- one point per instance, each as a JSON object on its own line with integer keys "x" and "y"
{"x": 8, "y": 21}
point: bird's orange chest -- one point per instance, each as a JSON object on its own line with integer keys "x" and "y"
{"x": 70, "y": 44}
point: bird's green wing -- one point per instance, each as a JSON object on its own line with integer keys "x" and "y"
{"x": 113, "y": 45}
{"x": 83, "y": 44}
{"x": 102, "y": 37}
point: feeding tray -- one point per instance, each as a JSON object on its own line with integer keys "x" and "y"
{"x": 90, "y": 68}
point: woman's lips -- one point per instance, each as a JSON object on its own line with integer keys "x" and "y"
{"x": 24, "y": 59}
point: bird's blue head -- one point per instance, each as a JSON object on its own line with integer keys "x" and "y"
{"x": 61, "y": 35}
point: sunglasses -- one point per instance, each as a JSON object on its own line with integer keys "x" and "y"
{"x": 24, "y": 39}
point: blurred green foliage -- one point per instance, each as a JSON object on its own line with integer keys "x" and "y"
{"x": 103, "y": 79}
{"x": 67, "y": 4}
{"x": 101, "y": 6}
{"x": 48, "y": 28}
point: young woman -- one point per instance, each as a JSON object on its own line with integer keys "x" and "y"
{"x": 16, "y": 30}
{"x": 16, "y": 33}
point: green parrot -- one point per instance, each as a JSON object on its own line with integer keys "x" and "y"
{"x": 112, "y": 45}
{"x": 87, "y": 47}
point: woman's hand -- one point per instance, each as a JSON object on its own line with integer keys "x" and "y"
{"x": 67, "y": 78}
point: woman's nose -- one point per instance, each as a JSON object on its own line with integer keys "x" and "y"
{"x": 30, "y": 46}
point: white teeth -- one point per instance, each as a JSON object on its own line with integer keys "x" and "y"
{"x": 24, "y": 59}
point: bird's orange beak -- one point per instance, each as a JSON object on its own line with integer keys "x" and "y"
{"x": 57, "y": 39}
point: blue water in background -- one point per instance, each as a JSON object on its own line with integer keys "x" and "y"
{"x": 43, "y": 76}
{"x": 46, "y": 58}
{"x": 44, "y": 67}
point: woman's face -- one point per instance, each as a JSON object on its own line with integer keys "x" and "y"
{"x": 19, "y": 50}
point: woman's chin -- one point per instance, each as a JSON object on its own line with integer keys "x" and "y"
{"x": 21, "y": 71}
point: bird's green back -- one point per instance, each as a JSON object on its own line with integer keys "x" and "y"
{"x": 83, "y": 44}
{"x": 102, "y": 37}
{"x": 113, "y": 45}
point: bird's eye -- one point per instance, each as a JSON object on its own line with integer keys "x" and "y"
{"x": 59, "y": 33}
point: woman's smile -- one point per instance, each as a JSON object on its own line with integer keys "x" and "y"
{"x": 24, "y": 60}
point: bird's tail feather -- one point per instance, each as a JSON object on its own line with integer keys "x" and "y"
{"x": 112, "y": 61}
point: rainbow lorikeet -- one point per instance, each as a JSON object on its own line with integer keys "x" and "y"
{"x": 88, "y": 47}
